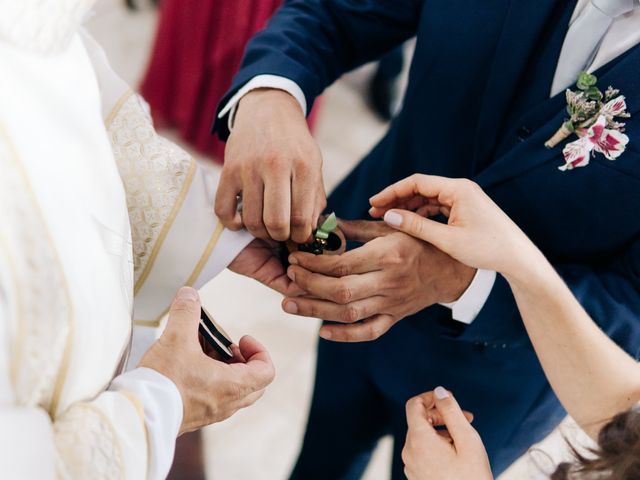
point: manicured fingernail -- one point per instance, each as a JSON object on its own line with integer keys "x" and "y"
{"x": 188, "y": 293}
{"x": 326, "y": 334}
{"x": 291, "y": 307}
{"x": 293, "y": 260}
{"x": 392, "y": 218}
{"x": 441, "y": 393}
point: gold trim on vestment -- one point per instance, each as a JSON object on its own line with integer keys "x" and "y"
{"x": 116, "y": 108}
{"x": 137, "y": 404}
{"x": 166, "y": 227}
{"x": 66, "y": 356}
{"x": 206, "y": 254}
{"x": 116, "y": 439}
{"x": 20, "y": 327}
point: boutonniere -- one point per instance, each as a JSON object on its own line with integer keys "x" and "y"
{"x": 593, "y": 118}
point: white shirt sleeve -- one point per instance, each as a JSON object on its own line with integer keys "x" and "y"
{"x": 263, "y": 81}
{"x": 468, "y": 306}
{"x": 163, "y": 412}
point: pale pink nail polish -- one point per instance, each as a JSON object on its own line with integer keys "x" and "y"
{"x": 441, "y": 393}
{"x": 392, "y": 218}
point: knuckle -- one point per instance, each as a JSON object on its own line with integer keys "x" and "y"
{"x": 417, "y": 226}
{"x": 392, "y": 259}
{"x": 299, "y": 220}
{"x": 350, "y": 314}
{"x": 221, "y": 212}
{"x": 253, "y": 224}
{"x": 274, "y": 163}
{"x": 302, "y": 168}
{"x": 341, "y": 269}
{"x": 278, "y": 227}
{"x": 185, "y": 305}
{"x": 405, "y": 455}
{"x": 468, "y": 185}
{"x": 343, "y": 295}
{"x": 308, "y": 310}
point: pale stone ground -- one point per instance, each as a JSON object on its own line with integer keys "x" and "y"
{"x": 260, "y": 443}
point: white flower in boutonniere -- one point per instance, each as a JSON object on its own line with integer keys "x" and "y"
{"x": 592, "y": 118}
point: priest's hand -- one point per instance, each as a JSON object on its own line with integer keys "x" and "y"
{"x": 368, "y": 289}
{"x": 274, "y": 163}
{"x": 211, "y": 390}
{"x": 260, "y": 260}
{"x": 451, "y": 454}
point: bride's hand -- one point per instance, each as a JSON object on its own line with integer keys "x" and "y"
{"x": 451, "y": 454}
{"x": 211, "y": 390}
{"x": 477, "y": 234}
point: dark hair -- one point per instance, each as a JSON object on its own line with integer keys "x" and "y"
{"x": 616, "y": 457}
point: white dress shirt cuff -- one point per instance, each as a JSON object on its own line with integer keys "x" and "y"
{"x": 468, "y": 306}
{"x": 163, "y": 412}
{"x": 263, "y": 81}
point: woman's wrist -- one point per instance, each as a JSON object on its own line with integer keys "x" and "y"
{"x": 529, "y": 270}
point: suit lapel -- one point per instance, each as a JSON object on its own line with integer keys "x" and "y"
{"x": 550, "y": 115}
{"x": 524, "y": 25}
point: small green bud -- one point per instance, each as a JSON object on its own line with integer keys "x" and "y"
{"x": 586, "y": 80}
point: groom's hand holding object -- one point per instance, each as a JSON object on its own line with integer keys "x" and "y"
{"x": 274, "y": 165}
{"x": 368, "y": 289}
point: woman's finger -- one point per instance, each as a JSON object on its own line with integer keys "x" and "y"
{"x": 436, "y": 233}
{"x": 452, "y": 415}
{"x": 429, "y": 186}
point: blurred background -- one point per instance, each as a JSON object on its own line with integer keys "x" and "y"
{"x": 182, "y": 71}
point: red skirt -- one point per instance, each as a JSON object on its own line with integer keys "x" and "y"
{"x": 198, "y": 48}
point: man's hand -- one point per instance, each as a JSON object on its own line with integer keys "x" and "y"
{"x": 275, "y": 165}
{"x": 260, "y": 260}
{"x": 452, "y": 454}
{"x": 477, "y": 233}
{"x": 370, "y": 288}
{"x": 211, "y": 390}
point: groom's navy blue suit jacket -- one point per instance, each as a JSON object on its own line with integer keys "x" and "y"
{"x": 477, "y": 106}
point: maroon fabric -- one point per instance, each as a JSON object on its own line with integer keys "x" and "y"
{"x": 198, "y": 48}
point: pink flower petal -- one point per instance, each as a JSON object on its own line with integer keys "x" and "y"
{"x": 612, "y": 144}
{"x": 596, "y": 130}
{"x": 615, "y": 107}
{"x": 577, "y": 153}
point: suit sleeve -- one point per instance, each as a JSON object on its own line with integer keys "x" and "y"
{"x": 609, "y": 293}
{"x": 313, "y": 42}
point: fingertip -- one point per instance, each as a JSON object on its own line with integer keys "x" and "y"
{"x": 326, "y": 333}
{"x": 441, "y": 393}
{"x": 393, "y": 218}
{"x": 188, "y": 293}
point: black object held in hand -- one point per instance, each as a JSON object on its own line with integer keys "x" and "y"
{"x": 215, "y": 336}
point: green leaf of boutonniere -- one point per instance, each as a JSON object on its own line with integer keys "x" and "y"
{"x": 586, "y": 81}
{"x": 594, "y": 94}
{"x": 329, "y": 225}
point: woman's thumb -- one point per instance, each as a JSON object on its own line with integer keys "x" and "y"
{"x": 452, "y": 415}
